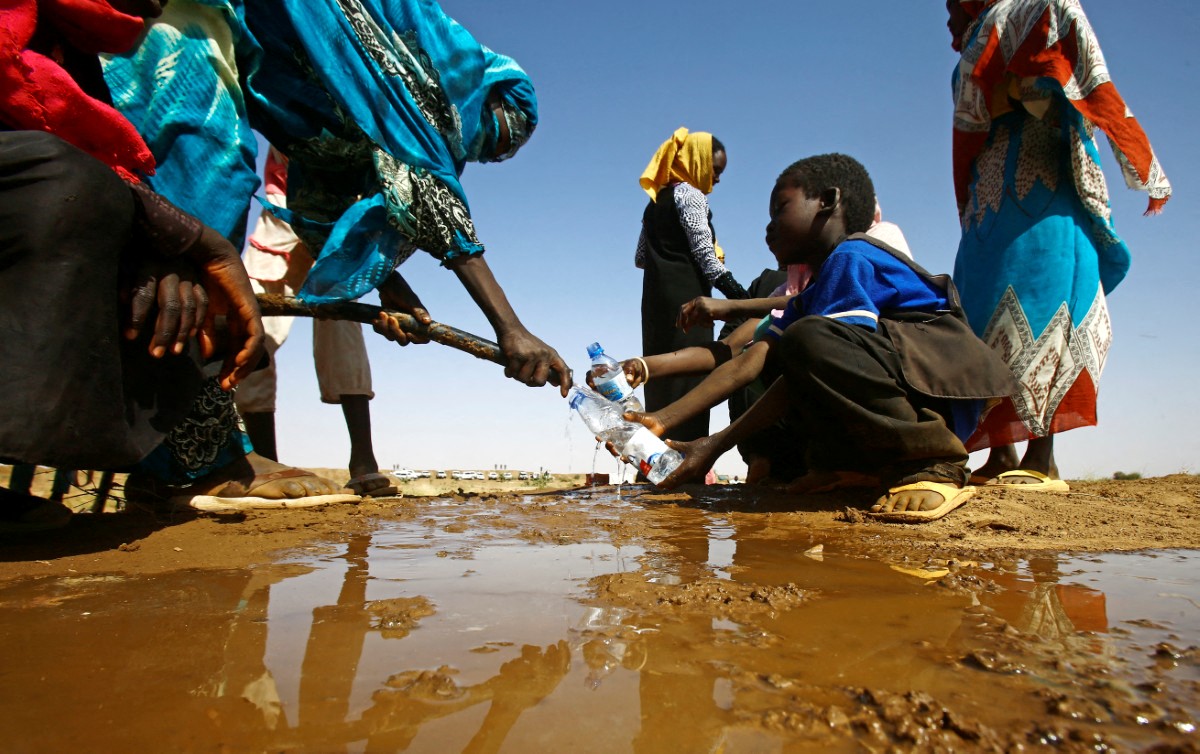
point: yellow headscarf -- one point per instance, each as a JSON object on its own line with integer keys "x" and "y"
{"x": 685, "y": 157}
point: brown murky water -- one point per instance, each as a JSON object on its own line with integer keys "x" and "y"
{"x": 708, "y": 630}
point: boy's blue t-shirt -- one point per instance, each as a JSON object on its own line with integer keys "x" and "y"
{"x": 858, "y": 281}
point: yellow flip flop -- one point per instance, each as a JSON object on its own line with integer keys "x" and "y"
{"x": 952, "y": 497}
{"x": 1043, "y": 483}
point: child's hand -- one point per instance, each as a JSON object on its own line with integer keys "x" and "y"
{"x": 698, "y": 458}
{"x": 635, "y": 372}
{"x": 648, "y": 420}
{"x": 701, "y": 312}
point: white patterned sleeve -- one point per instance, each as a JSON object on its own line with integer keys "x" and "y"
{"x": 639, "y": 256}
{"x": 693, "y": 215}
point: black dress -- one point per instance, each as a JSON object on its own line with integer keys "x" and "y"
{"x": 676, "y": 254}
{"x": 77, "y": 394}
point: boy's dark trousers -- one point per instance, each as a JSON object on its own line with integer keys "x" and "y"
{"x": 851, "y": 402}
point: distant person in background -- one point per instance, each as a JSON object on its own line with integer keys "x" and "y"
{"x": 1039, "y": 253}
{"x": 678, "y": 250}
{"x": 278, "y": 262}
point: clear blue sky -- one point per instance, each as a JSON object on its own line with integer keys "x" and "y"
{"x": 776, "y": 81}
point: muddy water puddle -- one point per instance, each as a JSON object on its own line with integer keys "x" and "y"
{"x": 598, "y": 623}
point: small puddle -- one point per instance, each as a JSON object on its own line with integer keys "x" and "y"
{"x": 469, "y": 630}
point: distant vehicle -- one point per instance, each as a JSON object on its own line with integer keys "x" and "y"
{"x": 457, "y": 474}
{"x": 406, "y": 475}
{"x": 525, "y": 475}
{"x": 493, "y": 475}
{"x": 506, "y": 476}
{"x": 441, "y": 475}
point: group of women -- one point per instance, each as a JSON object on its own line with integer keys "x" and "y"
{"x": 117, "y": 249}
{"x": 1038, "y": 253}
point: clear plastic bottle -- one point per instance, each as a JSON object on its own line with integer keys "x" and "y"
{"x": 609, "y": 379}
{"x": 644, "y": 449}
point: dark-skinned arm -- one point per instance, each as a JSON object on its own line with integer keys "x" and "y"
{"x": 721, "y": 383}
{"x": 690, "y": 360}
{"x": 529, "y": 359}
{"x": 702, "y": 311}
{"x": 699, "y": 455}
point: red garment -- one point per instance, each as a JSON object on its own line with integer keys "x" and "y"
{"x": 1032, "y": 39}
{"x": 38, "y": 94}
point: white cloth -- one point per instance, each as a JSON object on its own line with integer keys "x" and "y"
{"x": 278, "y": 262}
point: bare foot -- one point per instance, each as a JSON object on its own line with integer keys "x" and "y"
{"x": 1000, "y": 460}
{"x": 758, "y": 470}
{"x": 256, "y": 476}
{"x": 251, "y": 476}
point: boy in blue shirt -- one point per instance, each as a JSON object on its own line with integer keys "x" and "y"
{"x": 878, "y": 371}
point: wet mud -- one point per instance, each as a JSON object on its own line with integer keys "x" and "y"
{"x": 609, "y": 621}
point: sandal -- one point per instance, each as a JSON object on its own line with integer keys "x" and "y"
{"x": 231, "y": 496}
{"x": 952, "y": 497}
{"x": 373, "y": 485}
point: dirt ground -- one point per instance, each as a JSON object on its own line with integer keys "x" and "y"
{"x": 1156, "y": 513}
{"x": 721, "y": 618}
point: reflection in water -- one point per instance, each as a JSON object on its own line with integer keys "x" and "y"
{"x": 717, "y": 631}
{"x": 410, "y": 698}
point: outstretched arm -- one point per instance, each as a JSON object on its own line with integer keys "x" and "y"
{"x": 699, "y": 455}
{"x": 721, "y": 383}
{"x": 691, "y": 360}
{"x": 702, "y": 311}
{"x": 529, "y": 359}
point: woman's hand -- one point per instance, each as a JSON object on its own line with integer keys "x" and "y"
{"x": 396, "y": 294}
{"x": 532, "y": 362}
{"x": 168, "y": 286}
{"x": 702, "y": 311}
{"x": 224, "y": 279}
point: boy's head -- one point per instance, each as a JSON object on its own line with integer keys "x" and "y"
{"x": 815, "y": 203}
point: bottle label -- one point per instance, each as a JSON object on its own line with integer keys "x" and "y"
{"x": 642, "y": 448}
{"x": 615, "y": 388}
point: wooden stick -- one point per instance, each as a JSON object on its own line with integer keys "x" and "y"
{"x": 274, "y": 305}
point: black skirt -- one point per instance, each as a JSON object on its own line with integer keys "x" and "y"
{"x": 76, "y": 393}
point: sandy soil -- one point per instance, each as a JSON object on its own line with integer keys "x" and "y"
{"x": 1157, "y": 513}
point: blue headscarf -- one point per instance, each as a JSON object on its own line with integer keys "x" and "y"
{"x": 405, "y": 75}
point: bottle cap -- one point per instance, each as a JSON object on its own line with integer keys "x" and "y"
{"x": 594, "y": 350}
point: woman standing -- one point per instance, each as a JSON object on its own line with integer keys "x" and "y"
{"x": 1039, "y": 253}
{"x": 678, "y": 250}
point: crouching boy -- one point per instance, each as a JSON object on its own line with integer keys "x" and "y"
{"x": 880, "y": 374}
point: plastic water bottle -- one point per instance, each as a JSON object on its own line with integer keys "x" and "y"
{"x": 644, "y": 449}
{"x": 610, "y": 380}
